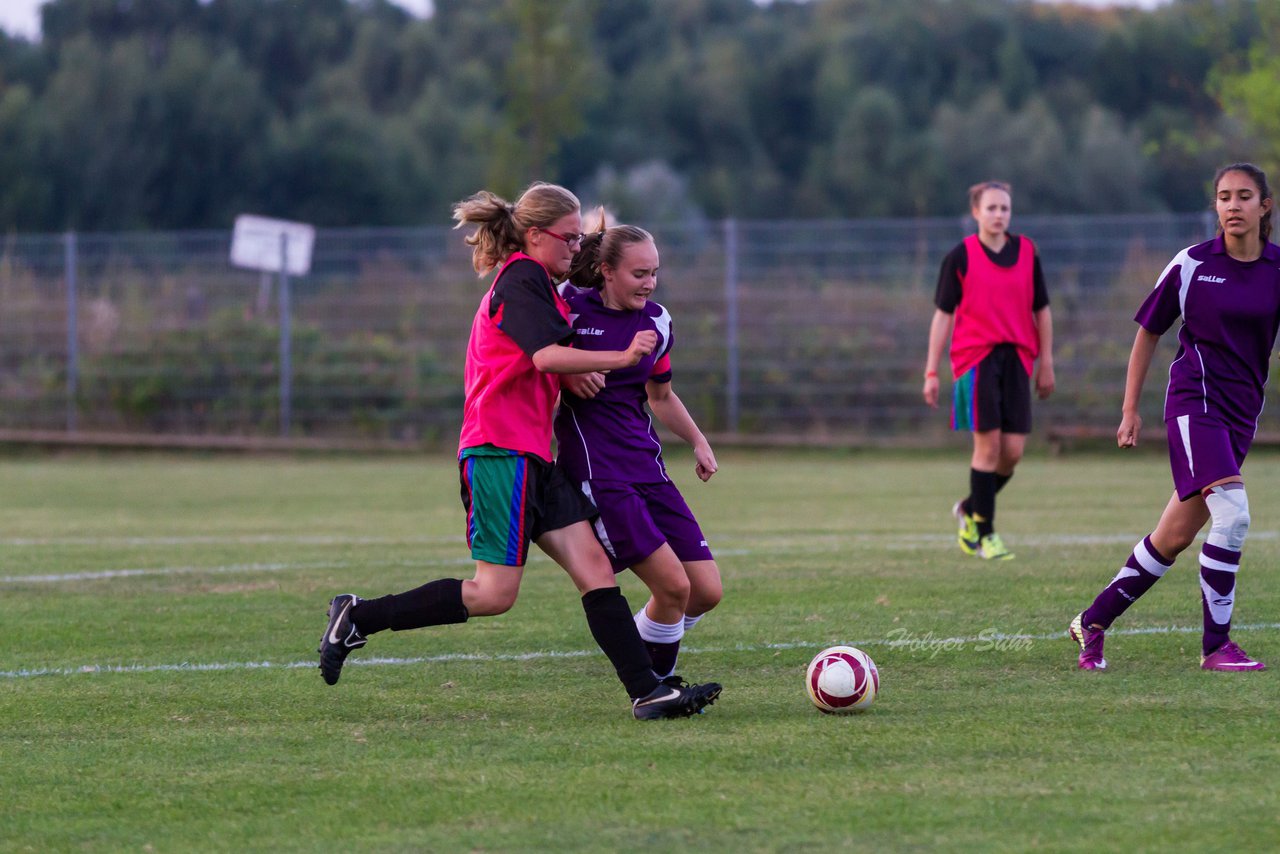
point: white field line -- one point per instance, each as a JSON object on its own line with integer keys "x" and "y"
{"x": 104, "y": 574}
{"x": 328, "y": 540}
{"x": 220, "y": 540}
{"x": 990, "y": 639}
{"x": 819, "y": 543}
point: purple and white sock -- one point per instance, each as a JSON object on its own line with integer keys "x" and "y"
{"x": 1144, "y": 568}
{"x": 1220, "y": 560}
{"x": 1218, "y": 568}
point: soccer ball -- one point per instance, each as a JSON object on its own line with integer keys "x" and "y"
{"x": 842, "y": 679}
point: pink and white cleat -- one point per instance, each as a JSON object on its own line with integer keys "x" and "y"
{"x": 1229, "y": 657}
{"x": 1090, "y": 642}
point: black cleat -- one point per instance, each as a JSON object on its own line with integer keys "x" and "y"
{"x": 675, "y": 698}
{"x": 704, "y": 694}
{"x": 339, "y": 638}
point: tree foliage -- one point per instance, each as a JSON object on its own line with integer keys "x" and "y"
{"x": 181, "y": 113}
{"x": 1249, "y": 89}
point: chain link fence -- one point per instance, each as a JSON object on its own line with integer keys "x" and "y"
{"x": 803, "y": 331}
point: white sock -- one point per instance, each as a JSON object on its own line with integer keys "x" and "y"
{"x": 655, "y": 632}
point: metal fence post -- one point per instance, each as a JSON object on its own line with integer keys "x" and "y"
{"x": 731, "y": 323}
{"x": 73, "y": 337}
{"x": 286, "y": 349}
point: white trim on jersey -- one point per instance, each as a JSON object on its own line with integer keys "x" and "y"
{"x": 657, "y": 458}
{"x": 663, "y": 324}
{"x": 1204, "y": 389}
{"x": 582, "y": 440}
{"x": 1187, "y": 271}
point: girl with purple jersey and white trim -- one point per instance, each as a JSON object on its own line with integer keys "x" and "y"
{"x": 607, "y": 441}
{"x": 1227, "y": 293}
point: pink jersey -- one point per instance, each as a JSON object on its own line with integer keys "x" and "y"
{"x": 510, "y": 403}
{"x": 997, "y": 308}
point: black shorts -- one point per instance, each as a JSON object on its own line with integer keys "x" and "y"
{"x": 993, "y": 395}
{"x": 512, "y": 499}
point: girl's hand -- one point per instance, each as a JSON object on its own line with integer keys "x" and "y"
{"x": 931, "y": 391}
{"x": 585, "y": 386}
{"x": 641, "y": 346}
{"x": 705, "y": 462}
{"x": 1127, "y": 434}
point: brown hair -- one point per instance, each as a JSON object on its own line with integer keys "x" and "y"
{"x": 1259, "y": 178}
{"x": 605, "y": 245}
{"x": 501, "y": 225}
{"x": 976, "y": 191}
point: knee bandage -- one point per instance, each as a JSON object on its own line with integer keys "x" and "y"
{"x": 1229, "y": 508}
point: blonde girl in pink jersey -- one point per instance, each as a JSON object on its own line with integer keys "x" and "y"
{"x": 511, "y": 491}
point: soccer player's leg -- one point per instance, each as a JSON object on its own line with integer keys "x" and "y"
{"x": 1004, "y": 409}
{"x": 964, "y": 418}
{"x": 982, "y": 494}
{"x": 629, "y": 533}
{"x": 980, "y": 403}
{"x": 495, "y": 491}
{"x": 671, "y": 515}
{"x": 661, "y": 621}
{"x": 1147, "y": 564}
{"x": 574, "y": 546}
{"x": 1205, "y": 456}
{"x": 706, "y": 589}
{"x": 1228, "y": 505}
{"x": 1144, "y": 567}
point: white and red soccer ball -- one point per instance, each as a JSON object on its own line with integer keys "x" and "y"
{"x": 842, "y": 679}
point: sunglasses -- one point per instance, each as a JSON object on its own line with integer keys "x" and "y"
{"x": 567, "y": 239}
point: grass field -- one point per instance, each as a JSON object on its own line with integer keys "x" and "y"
{"x": 158, "y": 688}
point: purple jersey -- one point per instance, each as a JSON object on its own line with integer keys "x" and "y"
{"x": 611, "y": 436}
{"x": 1230, "y": 313}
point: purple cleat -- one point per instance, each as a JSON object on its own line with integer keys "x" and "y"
{"x": 1090, "y": 642}
{"x": 1227, "y": 657}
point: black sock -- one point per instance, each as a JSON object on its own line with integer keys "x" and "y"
{"x": 1002, "y": 479}
{"x": 664, "y": 656}
{"x": 435, "y": 604}
{"x": 609, "y": 618}
{"x": 982, "y": 500}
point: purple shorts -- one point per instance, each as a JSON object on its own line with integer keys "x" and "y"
{"x": 637, "y": 518}
{"x": 1203, "y": 450}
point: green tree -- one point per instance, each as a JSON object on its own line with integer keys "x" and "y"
{"x": 338, "y": 166}
{"x": 27, "y": 200}
{"x": 546, "y": 79}
{"x": 177, "y": 113}
{"x": 144, "y": 138}
{"x": 1249, "y": 91}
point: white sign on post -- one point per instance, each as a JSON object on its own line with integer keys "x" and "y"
{"x": 255, "y": 244}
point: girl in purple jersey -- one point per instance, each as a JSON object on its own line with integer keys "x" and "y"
{"x": 1227, "y": 293}
{"x": 608, "y": 443}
